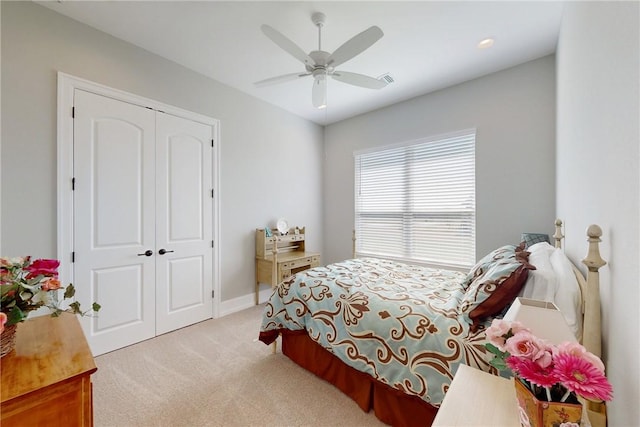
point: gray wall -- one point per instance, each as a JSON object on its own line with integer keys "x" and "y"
{"x": 513, "y": 112}
{"x": 256, "y": 138}
{"x": 598, "y": 173}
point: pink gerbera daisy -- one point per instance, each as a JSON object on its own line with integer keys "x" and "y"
{"x": 582, "y": 377}
{"x": 531, "y": 371}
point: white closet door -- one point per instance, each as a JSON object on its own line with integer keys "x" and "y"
{"x": 114, "y": 219}
{"x": 184, "y": 232}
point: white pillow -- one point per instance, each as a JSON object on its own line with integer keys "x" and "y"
{"x": 568, "y": 297}
{"x": 541, "y": 282}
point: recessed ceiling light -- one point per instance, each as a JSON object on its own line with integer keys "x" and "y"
{"x": 486, "y": 43}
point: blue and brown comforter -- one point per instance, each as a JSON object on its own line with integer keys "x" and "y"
{"x": 396, "y": 322}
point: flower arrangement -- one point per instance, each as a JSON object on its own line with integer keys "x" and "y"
{"x": 27, "y": 285}
{"x": 552, "y": 373}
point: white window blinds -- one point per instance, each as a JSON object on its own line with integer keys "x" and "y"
{"x": 416, "y": 202}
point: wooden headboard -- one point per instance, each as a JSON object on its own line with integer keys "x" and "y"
{"x": 591, "y": 318}
{"x": 589, "y": 287}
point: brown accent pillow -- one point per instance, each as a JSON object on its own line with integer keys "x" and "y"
{"x": 501, "y": 253}
{"x": 495, "y": 285}
{"x": 504, "y": 295}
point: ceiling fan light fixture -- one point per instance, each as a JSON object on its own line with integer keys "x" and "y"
{"x": 319, "y": 93}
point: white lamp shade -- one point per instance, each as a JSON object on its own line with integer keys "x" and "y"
{"x": 543, "y": 318}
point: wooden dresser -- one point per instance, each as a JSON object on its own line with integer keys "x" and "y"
{"x": 291, "y": 256}
{"x": 46, "y": 380}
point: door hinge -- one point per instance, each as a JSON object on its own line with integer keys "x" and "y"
{"x": 212, "y": 143}
{"x": 73, "y": 112}
{"x": 213, "y": 294}
{"x": 212, "y": 194}
{"x": 212, "y": 244}
{"x": 73, "y": 183}
{"x": 73, "y": 257}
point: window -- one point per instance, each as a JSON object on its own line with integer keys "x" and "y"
{"x": 415, "y": 202}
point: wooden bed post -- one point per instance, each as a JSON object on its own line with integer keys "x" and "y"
{"x": 353, "y": 247}
{"x": 558, "y": 236}
{"x": 592, "y": 335}
{"x": 591, "y": 326}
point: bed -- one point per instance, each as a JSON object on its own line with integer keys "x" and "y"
{"x": 391, "y": 336}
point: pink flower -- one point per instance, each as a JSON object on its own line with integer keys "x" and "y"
{"x": 582, "y": 377}
{"x": 578, "y": 350}
{"x": 567, "y": 367}
{"x": 501, "y": 329}
{"x": 526, "y": 345}
{"x": 51, "y": 284}
{"x": 45, "y": 267}
{"x": 3, "y": 320}
{"x": 532, "y": 371}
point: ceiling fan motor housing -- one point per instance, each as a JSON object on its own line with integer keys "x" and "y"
{"x": 320, "y": 59}
{"x": 318, "y": 19}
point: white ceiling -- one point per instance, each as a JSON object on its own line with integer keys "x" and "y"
{"x": 426, "y": 46}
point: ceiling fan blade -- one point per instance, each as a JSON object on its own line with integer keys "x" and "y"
{"x": 286, "y": 44}
{"x": 355, "y": 46}
{"x": 359, "y": 80}
{"x": 319, "y": 91}
{"x": 280, "y": 79}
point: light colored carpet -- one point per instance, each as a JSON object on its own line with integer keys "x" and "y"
{"x": 215, "y": 373}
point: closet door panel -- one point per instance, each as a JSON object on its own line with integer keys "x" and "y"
{"x": 114, "y": 219}
{"x": 184, "y": 222}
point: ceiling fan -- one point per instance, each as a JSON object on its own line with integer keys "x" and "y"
{"x": 320, "y": 64}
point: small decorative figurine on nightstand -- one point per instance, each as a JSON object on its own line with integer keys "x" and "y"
{"x": 267, "y": 232}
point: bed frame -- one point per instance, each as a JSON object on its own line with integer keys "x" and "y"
{"x": 591, "y": 313}
{"x": 398, "y": 409}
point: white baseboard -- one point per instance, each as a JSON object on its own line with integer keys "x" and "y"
{"x": 242, "y": 303}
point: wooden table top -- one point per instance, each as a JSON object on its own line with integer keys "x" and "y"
{"x": 48, "y": 350}
{"x": 477, "y": 398}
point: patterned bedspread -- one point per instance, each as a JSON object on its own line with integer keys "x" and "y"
{"x": 396, "y": 322}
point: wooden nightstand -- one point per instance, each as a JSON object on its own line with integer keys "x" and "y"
{"x": 477, "y": 398}
{"x": 46, "y": 380}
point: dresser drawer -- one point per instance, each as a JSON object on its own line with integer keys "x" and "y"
{"x": 287, "y": 238}
{"x": 312, "y": 261}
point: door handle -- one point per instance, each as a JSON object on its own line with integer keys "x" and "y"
{"x": 148, "y": 252}
{"x": 163, "y": 251}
